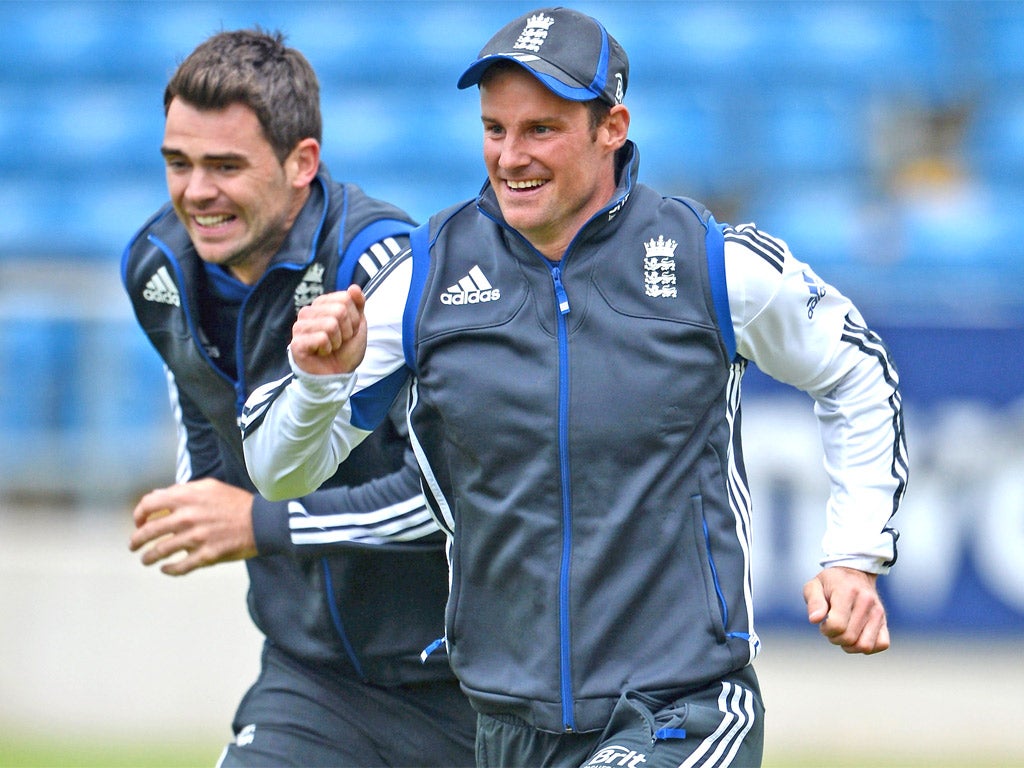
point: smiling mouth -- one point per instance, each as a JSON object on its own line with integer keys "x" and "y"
{"x": 528, "y": 184}
{"x": 213, "y": 221}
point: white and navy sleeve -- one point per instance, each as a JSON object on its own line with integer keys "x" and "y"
{"x": 386, "y": 510}
{"x": 297, "y": 430}
{"x": 802, "y": 331}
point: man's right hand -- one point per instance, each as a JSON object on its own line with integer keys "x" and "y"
{"x": 329, "y": 335}
{"x": 206, "y": 521}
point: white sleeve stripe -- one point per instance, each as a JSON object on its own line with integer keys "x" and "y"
{"x": 872, "y": 345}
{"x": 183, "y": 463}
{"x": 383, "y": 252}
{"x": 774, "y": 244}
{"x": 259, "y": 401}
{"x": 377, "y": 256}
{"x": 438, "y": 503}
{"x": 300, "y": 519}
{"x": 386, "y": 269}
{"x": 368, "y": 264}
{"x": 759, "y": 243}
{"x": 739, "y": 498}
{"x": 845, "y": 367}
{"x": 420, "y": 531}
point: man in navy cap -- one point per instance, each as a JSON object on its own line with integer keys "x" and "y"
{"x": 575, "y": 343}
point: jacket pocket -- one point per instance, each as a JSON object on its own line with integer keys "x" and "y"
{"x": 718, "y": 612}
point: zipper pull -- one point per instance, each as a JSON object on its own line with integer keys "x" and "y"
{"x": 560, "y": 294}
{"x": 430, "y": 649}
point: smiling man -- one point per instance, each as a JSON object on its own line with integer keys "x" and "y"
{"x": 348, "y": 581}
{"x": 550, "y": 161}
{"x": 578, "y": 430}
{"x": 235, "y": 197}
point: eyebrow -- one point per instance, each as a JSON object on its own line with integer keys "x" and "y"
{"x": 532, "y": 121}
{"x": 226, "y": 156}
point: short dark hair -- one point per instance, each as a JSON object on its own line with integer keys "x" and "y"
{"x": 255, "y": 68}
{"x": 599, "y": 109}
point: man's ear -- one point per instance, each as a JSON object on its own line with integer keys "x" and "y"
{"x": 303, "y": 162}
{"x": 616, "y": 126}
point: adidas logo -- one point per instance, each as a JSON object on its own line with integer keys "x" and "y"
{"x": 474, "y": 288}
{"x": 162, "y": 289}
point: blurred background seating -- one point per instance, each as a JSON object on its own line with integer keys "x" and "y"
{"x": 883, "y": 140}
{"x": 815, "y": 120}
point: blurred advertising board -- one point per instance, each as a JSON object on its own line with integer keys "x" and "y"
{"x": 961, "y": 550}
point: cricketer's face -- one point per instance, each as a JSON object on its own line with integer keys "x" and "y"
{"x": 550, "y": 169}
{"x": 235, "y": 198}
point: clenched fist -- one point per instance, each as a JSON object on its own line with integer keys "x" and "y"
{"x": 329, "y": 335}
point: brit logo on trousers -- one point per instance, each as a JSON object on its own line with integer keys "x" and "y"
{"x": 615, "y": 755}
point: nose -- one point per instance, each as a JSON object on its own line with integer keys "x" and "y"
{"x": 200, "y": 186}
{"x": 513, "y": 152}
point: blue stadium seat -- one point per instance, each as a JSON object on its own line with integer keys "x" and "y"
{"x": 1001, "y": 43}
{"x": 808, "y": 131}
{"x": 995, "y": 140}
{"x": 712, "y": 43}
{"x": 111, "y": 216}
{"x": 47, "y": 41}
{"x": 128, "y": 387}
{"x": 27, "y": 215}
{"x": 976, "y": 227}
{"x": 104, "y": 126}
{"x": 684, "y": 137}
{"x": 392, "y": 138}
{"x": 860, "y": 45}
{"x": 37, "y": 376}
{"x": 824, "y": 223}
{"x": 754, "y": 96}
{"x": 78, "y": 217}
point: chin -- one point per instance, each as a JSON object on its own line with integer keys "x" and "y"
{"x": 219, "y": 256}
{"x": 518, "y": 214}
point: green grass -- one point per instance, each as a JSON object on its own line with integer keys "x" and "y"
{"x": 36, "y": 752}
{"x": 877, "y": 761}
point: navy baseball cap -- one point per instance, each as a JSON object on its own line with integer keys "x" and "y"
{"x": 570, "y": 53}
